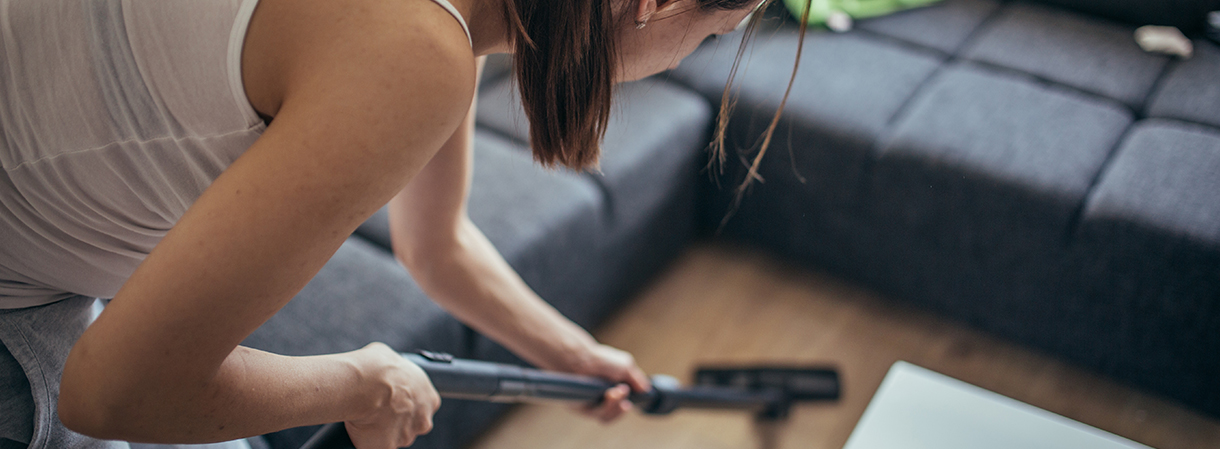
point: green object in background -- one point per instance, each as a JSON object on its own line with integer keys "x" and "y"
{"x": 857, "y": 9}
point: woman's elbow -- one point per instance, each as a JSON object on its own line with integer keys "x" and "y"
{"x": 81, "y": 414}
{"x": 83, "y": 406}
{"x": 423, "y": 255}
{"x": 84, "y": 419}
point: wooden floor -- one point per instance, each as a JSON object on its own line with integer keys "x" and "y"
{"x": 725, "y": 304}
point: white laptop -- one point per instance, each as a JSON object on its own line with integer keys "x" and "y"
{"x": 919, "y": 409}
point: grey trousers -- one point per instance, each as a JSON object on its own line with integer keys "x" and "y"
{"x": 36, "y": 341}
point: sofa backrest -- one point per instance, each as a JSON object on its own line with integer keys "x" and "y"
{"x": 1189, "y": 15}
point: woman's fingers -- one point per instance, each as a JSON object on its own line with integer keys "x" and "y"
{"x": 616, "y": 366}
{"x": 619, "y": 366}
{"x": 363, "y": 438}
{"x": 614, "y": 403}
{"x": 406, "y": 401}
{"x": 638, "y": 380}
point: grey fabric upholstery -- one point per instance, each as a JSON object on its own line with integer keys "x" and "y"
{"x": 943, "y": 26}
{"x": 1151, "y": 233}
{"x": 647, "y": 148}
{"x": 882, "y": 76}
{"x": 848, "y": 89}
{"x": 544, "y": 222}
{"x": 974, "y": 195}
{"x": 500, "y": 111}
{"x": 1087, "y": 53}
{"x": 362, "y": 295}
{"x": 498, "y": 67}
{"x": 1185, "y": 14}
{"x": 377, "y": 229}
{"x": 1166, "y": 177}
{"x": 538, "y": 219}
{"x": 1012, "y": 130}
{"x": 258, "y": 443}
{"x": 1190, "y": 91}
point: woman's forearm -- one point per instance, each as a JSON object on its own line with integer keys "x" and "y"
{"x": 463, "y": 272}
{"x": 251, "y": 393}
{"x": 472, "y": 281}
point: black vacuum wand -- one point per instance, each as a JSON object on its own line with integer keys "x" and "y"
{"x": 765, "y": 390}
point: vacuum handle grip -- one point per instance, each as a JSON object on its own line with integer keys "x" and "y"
{"x": 497, "y": 382}
{"x": 486, "y": 381}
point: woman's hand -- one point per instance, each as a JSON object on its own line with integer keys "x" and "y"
{"x": 400, "y": 400}
{"x": 616, "y": 366}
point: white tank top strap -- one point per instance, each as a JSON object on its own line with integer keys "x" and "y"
{"x": 449, "y": 7}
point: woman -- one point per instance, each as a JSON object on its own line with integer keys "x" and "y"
{"x": 200, "y": 160}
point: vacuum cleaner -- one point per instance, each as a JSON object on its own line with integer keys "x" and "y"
{"x": 767, "y": 391}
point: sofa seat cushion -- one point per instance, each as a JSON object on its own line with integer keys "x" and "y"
{"x": 1151, "y": 232}
{"x": 942, "y": 26}
{"x": 1165, "y": 179}
{"x": 522, "y": 207}
{"x": 992, "y": 167}
{"x": 1086, "y": 53}
{"x": 1191, "y": 90}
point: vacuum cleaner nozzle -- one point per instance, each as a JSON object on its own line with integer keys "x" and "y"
{"x": 787, "y": 384}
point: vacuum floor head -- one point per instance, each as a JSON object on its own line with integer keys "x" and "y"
{"x": 785, "y": 385}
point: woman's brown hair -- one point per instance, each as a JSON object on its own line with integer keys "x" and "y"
{"x": 565, "y": 61}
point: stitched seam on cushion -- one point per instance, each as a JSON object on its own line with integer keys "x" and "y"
{"x": 1072, "y": 233}
{"x": 903, "y": 43}
{"x": 1156, "y": 87}
{"x": 1051, "y": 83}
{"x": 951, "y": 59}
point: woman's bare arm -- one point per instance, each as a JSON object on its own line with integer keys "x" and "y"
{"x": 462, "y": 271}
{"x": 369, "y": 90}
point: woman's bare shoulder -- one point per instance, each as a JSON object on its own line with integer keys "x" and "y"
{"x": 356, "y": 50}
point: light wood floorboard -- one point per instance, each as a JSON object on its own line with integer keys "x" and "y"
{"x": 729, "y": 304}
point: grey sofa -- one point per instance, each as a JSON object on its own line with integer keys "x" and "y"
{"x": 1021, "y": 167}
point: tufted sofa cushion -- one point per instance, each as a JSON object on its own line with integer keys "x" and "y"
{"x": 943, "y": 27}
{"x": 1094, "y": 55}
{"x": 1189, "y": 92}
{"x": 986, "y": 162}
